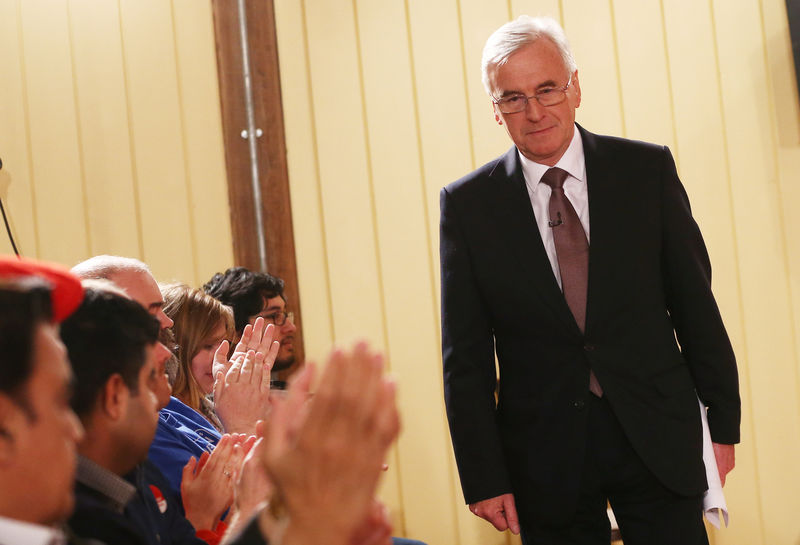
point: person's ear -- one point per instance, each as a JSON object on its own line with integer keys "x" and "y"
{"x": 577, "y": 85}
{"x": 12, "y": 422}
{"x": 497, "y": 116}
{"x": 114, "y": 397}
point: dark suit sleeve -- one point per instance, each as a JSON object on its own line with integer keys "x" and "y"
{"x": 694, "y": 312}
{"x": 469, "y": 364}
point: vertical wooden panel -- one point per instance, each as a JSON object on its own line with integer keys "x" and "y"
{"x": 202, "y": 137}
{"x": 589, "y": 26}
{"x": 644, "y": 76}
{"x": 157, "y": 135}
{"x": 56, "y": 176}
{"x": 104, "y": 132}
{"x": 344, "y": 176}
{"x": 400, "y": 214}
{"x": 444, "y": 141}
{"x": 347, "y": 200}
{"x": 478, "y": 21}
{"x": 760, "y": 240}
{"x": 310, "y": 238}
{"x": 535, "y": 8}
{"x": 702, "y": 148}
{"x": 442, "y": 106}
{"x": 782, "y": 93}
{"x": 16, "y": 189}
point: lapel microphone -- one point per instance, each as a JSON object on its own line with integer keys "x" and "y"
{"x": 556, "y": 223}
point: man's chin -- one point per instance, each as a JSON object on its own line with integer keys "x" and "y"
{"x": 281, "y": 364}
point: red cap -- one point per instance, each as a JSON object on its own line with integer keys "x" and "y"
{"x": 67, "y": 291}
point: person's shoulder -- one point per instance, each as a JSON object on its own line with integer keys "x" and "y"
{"x": 499, "y": 166}
{"x": 604, "y": 144}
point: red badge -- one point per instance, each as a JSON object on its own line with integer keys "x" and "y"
{"x": 160, "y": 500}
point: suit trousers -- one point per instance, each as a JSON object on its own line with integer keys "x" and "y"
{"x": 646, "y": 511}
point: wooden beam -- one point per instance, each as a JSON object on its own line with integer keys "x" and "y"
{"x": 271, "y": 146}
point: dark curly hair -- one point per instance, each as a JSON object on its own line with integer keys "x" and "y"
{"x": 245, "y": 291}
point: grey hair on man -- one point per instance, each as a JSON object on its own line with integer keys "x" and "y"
{"x": 516, "y": 34}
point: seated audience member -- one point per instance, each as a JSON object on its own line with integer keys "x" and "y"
{"x": 201, "y": 323}
{"x": 189, "y": 425}
{"x": 113, "y": 347}
{"x": 252, "y": 294}
{"x": 182, "y": 435}
{"x": 136, "y": 280}
{"x": 38, "y": 429}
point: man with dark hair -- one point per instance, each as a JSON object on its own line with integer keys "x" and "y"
{"x": 113, "y": 346}
{"x": 38, "y": 430}
{"x": 252, "y": 294}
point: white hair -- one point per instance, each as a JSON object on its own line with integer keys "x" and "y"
{"x": 106, "y": 267}
{"x": 514, "y": 35}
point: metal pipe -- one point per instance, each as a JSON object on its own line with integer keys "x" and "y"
{"x": 251, "y": 137}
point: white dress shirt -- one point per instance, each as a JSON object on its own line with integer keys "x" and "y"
{"x": 16, "y": 532}
{"x": 574, "y": 187}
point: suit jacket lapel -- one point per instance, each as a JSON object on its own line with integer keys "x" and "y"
{"x": 600, "y": 174}
{"x": 514, "y": 213}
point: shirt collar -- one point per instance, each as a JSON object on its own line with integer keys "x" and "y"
{"x": 16, "y": 531}
{"x": 113, "y": 487}
{"x": 572, "y": 161}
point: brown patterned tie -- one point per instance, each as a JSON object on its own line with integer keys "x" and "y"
{"x": 572, "y": 249}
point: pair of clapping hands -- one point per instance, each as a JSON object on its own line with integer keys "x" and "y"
{"x": 241, "y": 400}
{"x": 241, "y": 382}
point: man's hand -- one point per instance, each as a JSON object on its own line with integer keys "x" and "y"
{"x": 325, "y": 461}
{"x": 241, "y": 394}
{"x": 726, "y": 459}
{"x": 500, "y": 511}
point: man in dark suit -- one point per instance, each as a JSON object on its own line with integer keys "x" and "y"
{"x": 579, "y": 278}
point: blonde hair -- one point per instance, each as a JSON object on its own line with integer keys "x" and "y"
{"x": 196, "y": 316}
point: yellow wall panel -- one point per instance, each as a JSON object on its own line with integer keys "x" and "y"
{"x": 478, "y": 21}
{"x": 201, "y": 126}
{"x": 157, "y": 136}
{"x": 113, "y": 215}
{"x": 703, "y": 165}
{"x": 347, "y": 200}
{"x": 16, "y": 189}
{"x": 400, "y": 213}
{"x": 301, "y": 157}
{"x": 757, "y": 212}
{"x": 93, "y": 109}
{"x": 344, "y": 176}
{"x": 589, "y": 27}
{"x": 781, "y": 93}
{"x": 536, "y": 8}
{"x": 643, "y": 71}
{"x": 442, "y": 114}
{"x": 56, "y": 177}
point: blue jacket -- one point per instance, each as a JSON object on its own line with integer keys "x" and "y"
{"x": 182, "y": 433}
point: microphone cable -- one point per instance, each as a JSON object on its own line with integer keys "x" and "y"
{"x": 5, "y": 220}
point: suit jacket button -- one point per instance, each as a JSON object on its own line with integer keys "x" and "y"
{"x": 588, "y": 347}
{"x": 579, "y": 405}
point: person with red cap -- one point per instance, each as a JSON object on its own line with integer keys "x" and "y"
{"x": 38, "y": 429}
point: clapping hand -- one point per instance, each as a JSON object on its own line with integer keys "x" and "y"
{"x": 241, "y": 385}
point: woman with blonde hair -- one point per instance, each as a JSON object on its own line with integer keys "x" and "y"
{"x": 201, "y": 324}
